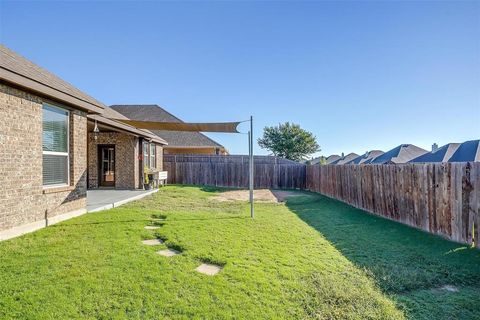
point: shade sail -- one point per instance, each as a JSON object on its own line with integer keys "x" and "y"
{"x": 182, "y": 126}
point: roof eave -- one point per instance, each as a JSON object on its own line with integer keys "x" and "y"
{"x": 196, "y": 147}
{"x": 127, "y": 128}
{"x": 36, "y": 87}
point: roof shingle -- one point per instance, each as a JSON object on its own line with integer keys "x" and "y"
{"x": 17, "y": 69}
{"x": 108, "y": 117}
{"x": 442, "y": 154}
{"x": 467, "y": 151}
{"x": 366, "y": 158}
{"x": 401, "y": 154}
{"x": 346, "y": 159}
{"x": 157, "y": 113}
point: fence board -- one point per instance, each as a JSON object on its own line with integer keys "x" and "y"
{"x": 232, "y": 171}
{"x": 441, "y": 198}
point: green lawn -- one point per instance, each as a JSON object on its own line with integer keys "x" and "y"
{"x": 310, "y": 258}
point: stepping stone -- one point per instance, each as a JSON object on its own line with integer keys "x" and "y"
{"x": 209, "y": 269}
{"x": 168, "y": 252}
{"x": 449, "y": 288}
{"x": 152, "y": 242}
{"x": 152, "y": 227}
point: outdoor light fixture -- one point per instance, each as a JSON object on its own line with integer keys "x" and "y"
{"x": 95, "y": 131}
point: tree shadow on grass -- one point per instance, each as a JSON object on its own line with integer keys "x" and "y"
{"x": 399, "y": 258}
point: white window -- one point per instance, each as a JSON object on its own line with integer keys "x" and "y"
{"x": 55, "y": 146}
{"x": 153, "y": 164}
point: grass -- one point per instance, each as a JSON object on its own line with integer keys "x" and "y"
{"x": 310, "y": 258}
{"x": 408, "y": 265}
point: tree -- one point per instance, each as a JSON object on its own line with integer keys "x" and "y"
{"x": 289, "y": 141}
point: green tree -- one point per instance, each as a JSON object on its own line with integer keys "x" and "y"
{"x": 289, "y": 141}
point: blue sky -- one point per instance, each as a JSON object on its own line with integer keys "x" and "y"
{"x": 359, "y": 75}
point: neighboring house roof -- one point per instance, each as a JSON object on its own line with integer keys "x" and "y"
{"x": 174, "y": 138}
{"x": 332, "y": 158}
{"x": 346, "y": 159}
{"x": 467, "y": 151}
{"x": 109, "y": 114}
{"x": 366, "y": 158}
{"x": 313, "y": 161}
{"x": 401, "y": 154}
{"x": 21, "y": 72}
{"x": 442, "y": 154}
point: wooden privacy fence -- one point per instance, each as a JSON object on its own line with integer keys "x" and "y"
{"x": 232, "y": 171}
{"x": 441, "y": 198}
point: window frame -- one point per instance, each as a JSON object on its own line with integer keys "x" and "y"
{"x": 153, "y": 156}
{"x": 146, "y": 154}
{"x": 56, "y": 153}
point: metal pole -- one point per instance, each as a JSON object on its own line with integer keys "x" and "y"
{"x": 250, "y": 138}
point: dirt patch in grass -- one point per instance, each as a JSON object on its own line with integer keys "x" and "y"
{"x": 261, "y": 195}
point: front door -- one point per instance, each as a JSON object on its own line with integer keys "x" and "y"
{"x": 106, "y": 158}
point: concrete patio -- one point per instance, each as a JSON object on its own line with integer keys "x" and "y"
{"x": 103, "y": 199}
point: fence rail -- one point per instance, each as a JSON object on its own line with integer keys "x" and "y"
{"x": 232, "y": 171}
{"x": 441, "y": 198}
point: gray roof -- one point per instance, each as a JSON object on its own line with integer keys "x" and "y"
{"x": 467, "y": 151}
{"x": 316, "y": 160}
{"x": 18, "y": 70}
{"x": 366, "y": 158}
{"x": 346, "y": 159}
{"x": 401, "y": 154}
{"x": 174, "y": 138}
{"x": 108, "y": 117}
{"x": 332, "y": 158}
{"x": 442, "y": 154}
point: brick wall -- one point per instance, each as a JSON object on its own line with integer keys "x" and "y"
{"x": 126, "y": 159}
{"x": 159, "y": 157}
{"x": 22, "y": 197}
{"x": 136, "y": 166}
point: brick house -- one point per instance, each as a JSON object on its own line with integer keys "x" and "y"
{"x": 118, "y": 154}
{"x": 46, "y": 129}
{"x": 179, "y": 142}
{"x": 43, "y": 146}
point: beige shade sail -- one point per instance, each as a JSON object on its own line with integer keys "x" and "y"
{"x": 182, "y": 126}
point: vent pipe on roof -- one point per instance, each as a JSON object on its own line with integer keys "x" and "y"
{"x": 434, "y": 147}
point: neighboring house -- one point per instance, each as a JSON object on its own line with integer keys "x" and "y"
{"x": 366, "y": 158}
{"x": 178, "y": 142}
{"x": 43, "y": 146}
{"x": 345, "y": 159}
{"x": 119, "y": 153}
{"x": 401, "y": 154}
{"x": 442, "y": 154}
{"x": 332, "y": 158}
{"x": 317, "y": 160}
{"x": 467, "y": 151}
